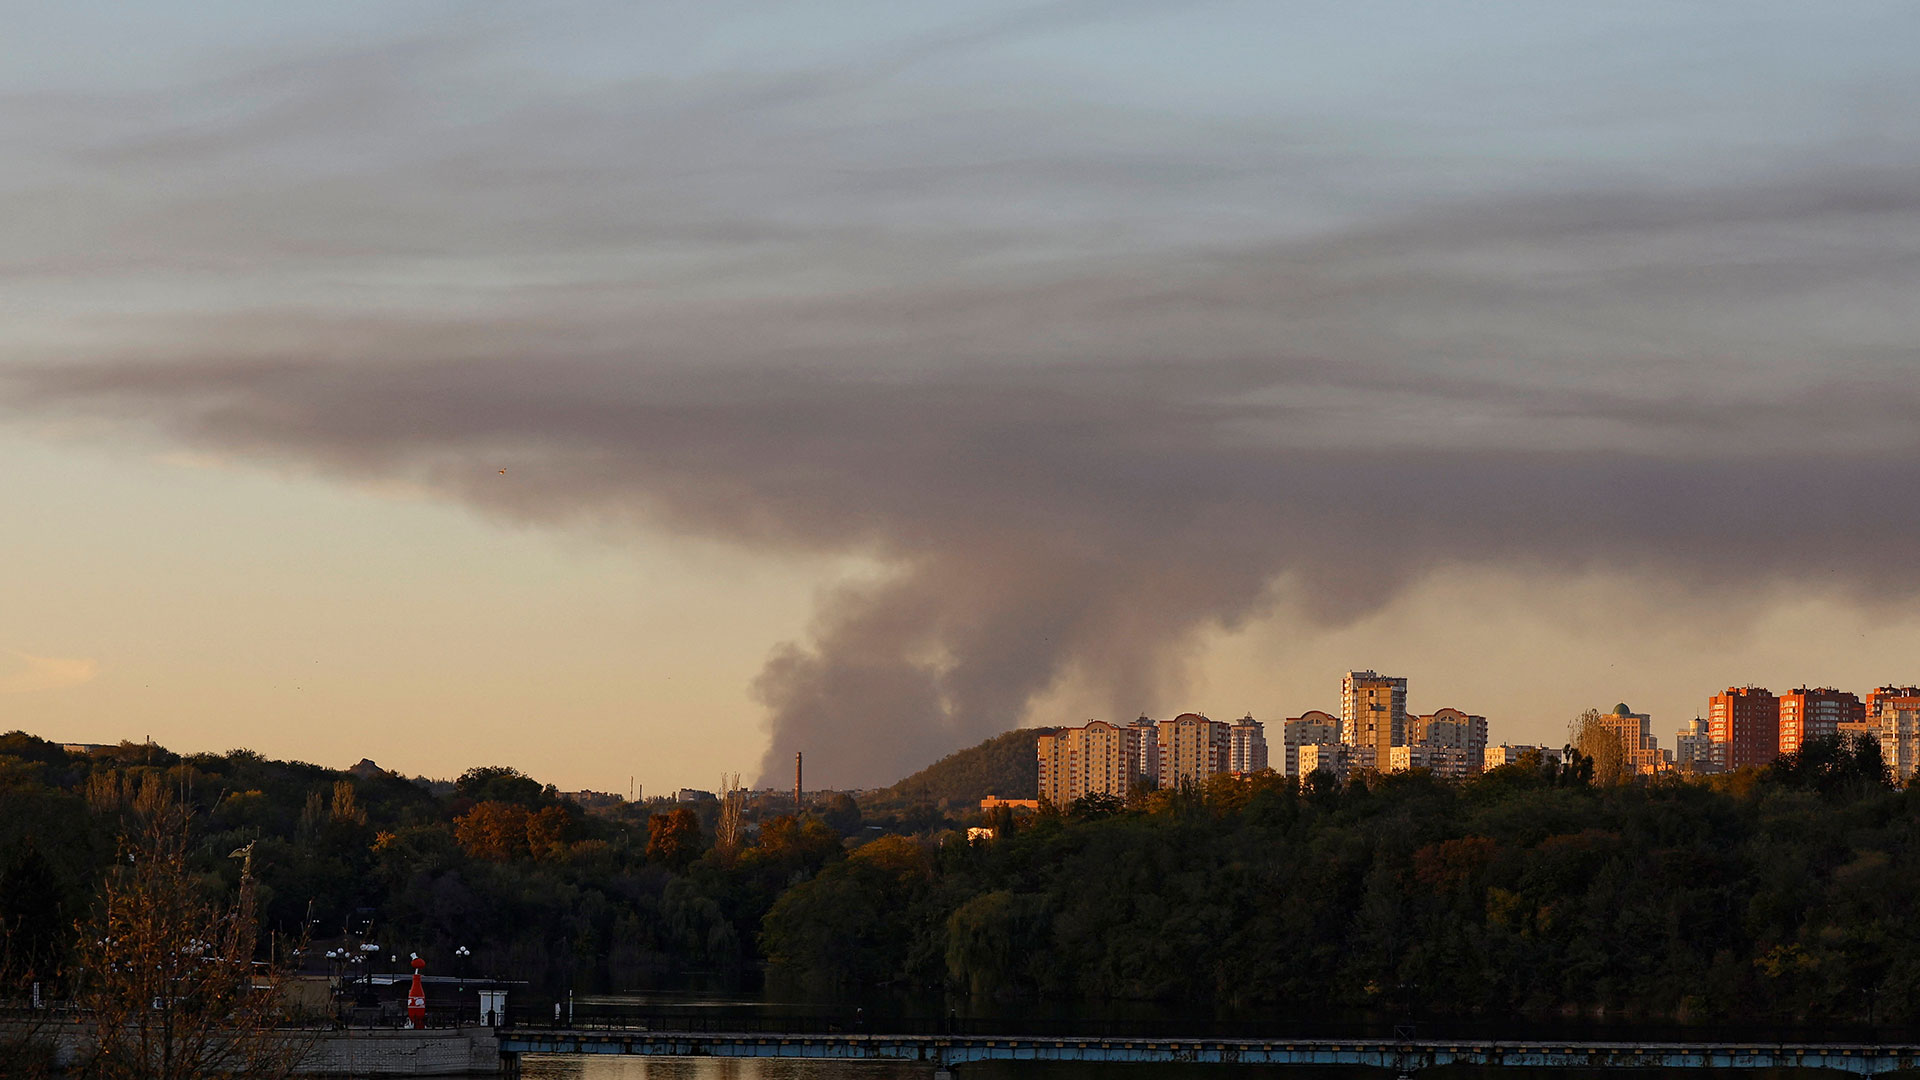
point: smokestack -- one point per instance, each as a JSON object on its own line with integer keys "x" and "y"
{"x": 796, "y": 781}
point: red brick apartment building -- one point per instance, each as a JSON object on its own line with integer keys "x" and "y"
{"x": 1806, "y": 715}
{"x": 1743, "y": 725}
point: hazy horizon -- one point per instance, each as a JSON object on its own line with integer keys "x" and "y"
{"x": 646, "y": 390}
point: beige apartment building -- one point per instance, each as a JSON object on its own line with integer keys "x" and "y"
{"x": 1099, "y": 757}
{"x": 1453, "y": 763}
{"x": 1336, "y": 759}
{"x": 1637, "y": 740}
{"x": 1373, "y": 712}
{"x": 1193, "y": 750}
{"x": 1893, "y": 717}
{"x": 1693, "y": 747}
{"x": 1510, "y": 754}
{"x": 1311, "y": 728}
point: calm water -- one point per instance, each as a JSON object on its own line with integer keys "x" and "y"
{"x": 637, "y": 1068}
{"x": 623, "y": 1068}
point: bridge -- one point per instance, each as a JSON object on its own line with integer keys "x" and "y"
{"x": 944, "y": 1052}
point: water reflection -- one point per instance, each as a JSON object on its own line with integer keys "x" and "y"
{"x": 611, "y": 1067}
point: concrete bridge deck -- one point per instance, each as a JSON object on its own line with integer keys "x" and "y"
{"x": 944, "y": 1052}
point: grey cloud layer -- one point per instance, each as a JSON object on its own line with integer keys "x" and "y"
{"x": 1087, "y": 379}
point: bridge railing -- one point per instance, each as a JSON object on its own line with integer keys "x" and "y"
{"x": 603, "y": 1015}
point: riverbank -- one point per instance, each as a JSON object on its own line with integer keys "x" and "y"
{"x": 472, "y": 1051}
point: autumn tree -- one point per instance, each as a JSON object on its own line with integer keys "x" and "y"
{"x": 167, "y": 972}
{"x": 493, "y": 830}
{"x": 549, "y": 829}
{"x": 731, "y": 828}
{"x": 673, "y": 838}
{"x": 1590, "y": 735}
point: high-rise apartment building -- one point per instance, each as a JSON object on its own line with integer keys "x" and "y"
{"x": 1149, "y": 733}
{"x": 1893, "y": 717}
{"x": 1809, "y": 714}
{"x": 1097, "y": 758}
{"x": 1193, "y": 749}
{"x": 1247, "y": 746}
{"x": 1450, "y": 729}
{"x": 1373, "y": 712}
{"x": 1743, "y": 725}
{"x": 1637, "y": 740}
{"x": 1311, "y": 728}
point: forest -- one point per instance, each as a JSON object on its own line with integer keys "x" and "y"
{"x": 1780, "y": 893}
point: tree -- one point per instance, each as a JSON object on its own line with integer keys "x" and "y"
{"x": 499, "y": 783}
{"x": 493, "y": 830}
{"x": 733, "y": 804}
{"x": 1590, "y": 735}
{"x": 549, "y": 829}
{"x": 32, "y": 946}
{"x": 673, "y": 838}
{"x": 168, "y": 974}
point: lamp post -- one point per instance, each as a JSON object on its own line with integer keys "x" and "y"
{"x": 367, "y": 951}
{"x": 460, "y": 957}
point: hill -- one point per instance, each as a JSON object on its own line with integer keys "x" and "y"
{"x": 1004, "y": 765}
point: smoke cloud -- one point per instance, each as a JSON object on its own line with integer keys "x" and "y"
{"x": 1082, "y": 381}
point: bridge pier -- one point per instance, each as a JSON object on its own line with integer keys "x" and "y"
{"x": 509, "y": 1065}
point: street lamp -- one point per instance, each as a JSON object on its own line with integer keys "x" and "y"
{"x": 460, "y": 956}
{"x": 367, "y": 949}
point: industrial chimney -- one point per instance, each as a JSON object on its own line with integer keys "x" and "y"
{"x": 796, "y": 781}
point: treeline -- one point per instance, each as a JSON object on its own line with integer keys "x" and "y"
{"x": 1781, "y": 893}
{"x": 533, "y": 886}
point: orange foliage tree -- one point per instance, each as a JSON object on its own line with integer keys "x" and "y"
{"x": 492, "y": 830}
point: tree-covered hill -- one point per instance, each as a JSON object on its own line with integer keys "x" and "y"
{"x": 1767, "y": 896}
{"x": 1004, "y": 765}
{"x": 1770, "y": 895}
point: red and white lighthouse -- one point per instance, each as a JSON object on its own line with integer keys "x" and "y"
{"x": 417, "y": 997}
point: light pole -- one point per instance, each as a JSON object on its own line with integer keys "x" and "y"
{"x": 367, "y": 951}
{"x": 460, "y": 957}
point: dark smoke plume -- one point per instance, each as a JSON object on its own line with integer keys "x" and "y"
{"x": 1083, "y": 383}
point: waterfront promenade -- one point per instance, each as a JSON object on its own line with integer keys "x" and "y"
{"x": 945, "y": 1052}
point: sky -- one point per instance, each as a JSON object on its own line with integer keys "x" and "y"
{"x": 640, "y": 393}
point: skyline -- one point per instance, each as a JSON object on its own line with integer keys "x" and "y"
{"x": 655, "y": 391}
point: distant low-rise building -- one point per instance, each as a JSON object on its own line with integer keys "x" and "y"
{"x": 1510, "y": 754}
{"x": 690, "y": 795}
{"x": 1337, "y": 759}
{"x": 1693, "y": 747}
{"x": 1451, "y": 762}
{"x": 995, "y": 802}
{"x": 1311, "y": 728}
